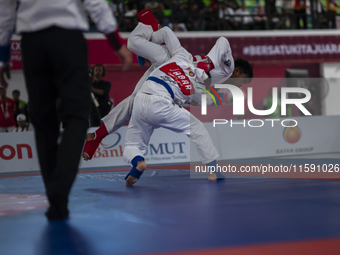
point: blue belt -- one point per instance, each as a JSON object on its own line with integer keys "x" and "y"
{"x": 155, "y": 79}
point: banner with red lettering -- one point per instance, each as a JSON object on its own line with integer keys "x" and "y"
{"x": 18, "y": 152}
{"x": 267, "y": 49}
{"x": 16, "y": 63}
{"x": 257, "y": 49}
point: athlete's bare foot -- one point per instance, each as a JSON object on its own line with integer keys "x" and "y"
{"x": 130, "y": 180}
{"x": 89, "y": 137}
{"x": 212, "y": 177}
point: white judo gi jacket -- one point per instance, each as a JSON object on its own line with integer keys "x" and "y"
{"x": 158, "y": 105}
{"x": 142, "y": 42}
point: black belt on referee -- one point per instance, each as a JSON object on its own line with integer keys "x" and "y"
{"x": 155, "y": 79}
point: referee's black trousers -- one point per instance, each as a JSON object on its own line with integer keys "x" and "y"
{"x": 56, "y": 66}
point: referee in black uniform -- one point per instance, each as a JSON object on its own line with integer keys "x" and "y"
{"x": 56, "y": 66}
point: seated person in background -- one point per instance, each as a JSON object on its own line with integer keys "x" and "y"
{"x": 260, "y": 20}
{"x": 300, "y": 13}
{"x": 194, "y": 21}
{"x": 7, "y": 106}
{"x": 287, "y": 9}
{"x": 20, "y": 105}
{"x": 211, "y": 19}
{"x": 272, "y": 15}
{"x": 226, "y": 17}
{"x": 332, "y": 7}
{"x": 23, "y": 126}
{"x": 179, "y": 16}
{"x": 323, "y": 21}
{"x": 233, "y": 4}
{"x": 245, "y": 22}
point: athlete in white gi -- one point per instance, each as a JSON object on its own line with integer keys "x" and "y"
{"x": 218, "y": 63}
{"x": 157, "y": 104}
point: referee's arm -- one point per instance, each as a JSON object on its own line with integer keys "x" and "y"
{"x": 107, "y": 24}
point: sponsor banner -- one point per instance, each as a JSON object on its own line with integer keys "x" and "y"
{"x": 165, "y": 147}
{"x": 18, "y": 152}
{"x": 255, "y": 48}
{"x": 311, "y": 135}
{"x": 15, "y": 62}
{"x": 241, "y": 139}
{"x": 291, "y": 49}
{"x": 259, "y": 49}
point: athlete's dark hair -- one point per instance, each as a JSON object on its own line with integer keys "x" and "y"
{"x": 245, "y": 67}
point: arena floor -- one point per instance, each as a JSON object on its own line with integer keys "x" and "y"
{"x": 167, "y": 212}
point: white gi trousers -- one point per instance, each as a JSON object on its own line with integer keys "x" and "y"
{"x": 121, "y": 114}
{"x": 139, "y": 44}
{"x": 154, "y": 111}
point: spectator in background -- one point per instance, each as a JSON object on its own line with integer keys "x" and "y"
{"x": 194, "y": 21}
{"x": 20, "y": 105}
{"x": 233, "y": 4}
{"x": 332, "y": 7}
{"x": 273, "y": 21}
{"x": 157, "y": 9}
{"x": 100, "y": 90}
{"x": 300, "y": 7}
{"x": 23, "y": 125}
{"x": 287, "y": 9}
{"x": 199, "y": 3}
{"x": 130, "y": 17}
{"x": 226, "y": 17}
{"x": 211, "y": 19}
{"x": 113, "y": 4}
{"x": 213, "y": 4}
{"x": 138, "y": 4}
{"x": 195, "y": 15}
{"x": 7, "y": 106}
{"x": 323, "y": 21}
{"x": 130, "y": 12}
{"x": 261, "y": 20}
{"x": 245, "y": 22}
{"x": 179, "y": 15}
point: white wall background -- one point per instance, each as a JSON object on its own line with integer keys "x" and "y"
{"x": 319, "y": 134}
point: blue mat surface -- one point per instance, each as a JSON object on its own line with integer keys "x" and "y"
{"x": 167, "y": 211}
